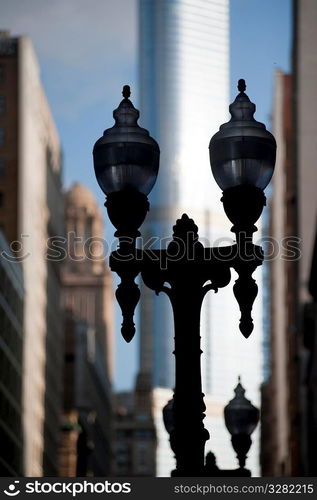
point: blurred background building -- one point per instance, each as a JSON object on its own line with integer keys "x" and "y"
{"x": 31, "y": 211}
{"x": 56, "y": 300}
{"x": 289, "y": 405}
{"x": 184, "y": 98}
{"x": 135, "y": 434}
{"x": 86, "y": 442}
{"x": 11, "y": 351}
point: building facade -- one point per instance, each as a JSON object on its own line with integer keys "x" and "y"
{"x": 31, "y": 210}
{"x": 86, "y": 441}
{"x": 11, "y": 353}
{"x": 289, "y": 417}
{"x": 135, "y": 432}
{"x": 276, "y": 432}
{"x": 184, "y": 80}
{"x": 305, "y": 109}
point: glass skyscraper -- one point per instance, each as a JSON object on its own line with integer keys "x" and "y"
{"x": 184, "y": 98}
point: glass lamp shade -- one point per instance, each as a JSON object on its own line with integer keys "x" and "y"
{"x": 243, "y": 152}
{"x": 126, "y": 158}
{"x": 241, "y": 417}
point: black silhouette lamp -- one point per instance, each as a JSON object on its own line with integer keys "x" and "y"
{"x": 243, "y": 152}
{"x": 126, "y": 161}
{"x": 242, "y": 159}
{"x": 241, "y": 419}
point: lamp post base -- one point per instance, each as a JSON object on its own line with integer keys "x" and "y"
{"x": 212, "y": 470}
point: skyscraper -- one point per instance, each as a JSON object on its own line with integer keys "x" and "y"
{"x": 31, "y": 211}
{"x": 11, "y": 350}
{"x": 184, "y": 77}
{"x": 290, "y": 396}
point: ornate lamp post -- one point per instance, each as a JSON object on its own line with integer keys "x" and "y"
{"x": 126, "y": 161}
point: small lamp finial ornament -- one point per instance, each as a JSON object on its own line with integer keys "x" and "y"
{"x": 126, "y": 91}
{"x": 241, "y": 85}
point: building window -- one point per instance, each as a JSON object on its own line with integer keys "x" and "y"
{"x": 2, "y": 104}
{"x": 2, "y": 73}
{"x": 2, "y": 168}
{"x": 1, "y": 136}
{"x": 143, "y": 433}
{"x": 142, "y": 459}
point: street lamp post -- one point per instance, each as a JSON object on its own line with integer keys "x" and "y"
{"x": 126, "y": 160}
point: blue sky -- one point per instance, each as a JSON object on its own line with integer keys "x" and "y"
{"x": 87, "y": 51}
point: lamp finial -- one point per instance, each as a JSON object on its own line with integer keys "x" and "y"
{"x": 241, "y": 85}
{"x": 126, "y": 92}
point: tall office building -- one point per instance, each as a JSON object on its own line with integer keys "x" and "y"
{"x": 290, "y": 395}
{"x": 11, "y": 351}
{"x": 31, "y": 211}
{"x": 184, "y": 91}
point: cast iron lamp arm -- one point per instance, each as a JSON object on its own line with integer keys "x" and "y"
{"x": 194, "y": 268}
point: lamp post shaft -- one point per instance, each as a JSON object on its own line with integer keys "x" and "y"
{"x": 189, "y": 435}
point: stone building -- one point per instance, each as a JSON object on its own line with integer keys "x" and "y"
{"x": 86, "y": 441}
